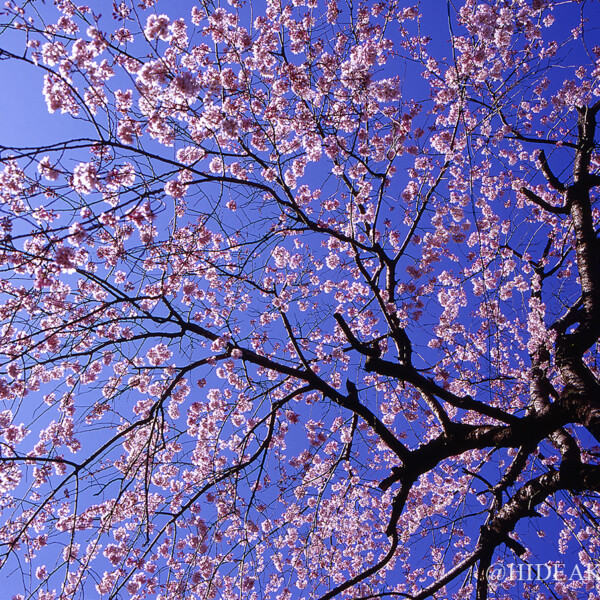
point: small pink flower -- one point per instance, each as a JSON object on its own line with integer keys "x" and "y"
{"x": 157, "y": 26}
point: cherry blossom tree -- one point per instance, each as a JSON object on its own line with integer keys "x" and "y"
{"x": 310, "y": 305}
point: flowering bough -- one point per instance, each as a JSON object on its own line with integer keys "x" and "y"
{"x": 310, "y": 309}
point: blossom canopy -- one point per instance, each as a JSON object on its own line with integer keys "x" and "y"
{"x": 301, "y": 301}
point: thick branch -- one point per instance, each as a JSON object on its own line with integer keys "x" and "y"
{"x": 412, "y": 376}
{"x": 557, "y": 210}
{"x": 549, "y": 175}
{"x": 520, "y": 506}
